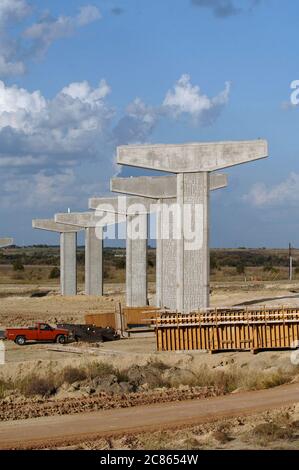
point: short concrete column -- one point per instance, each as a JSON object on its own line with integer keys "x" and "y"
{"x": 94, "y": 261}
{"x": 136, "y": 260}
{"x": 68, "y": 263}
{"x": 193, "y": 260}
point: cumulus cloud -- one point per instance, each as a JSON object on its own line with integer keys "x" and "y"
{"x": 186, "y": 99}
{"x": 226, "y": 8}
{"x": 287, "y": 191}
{"x": 44, "y": 142}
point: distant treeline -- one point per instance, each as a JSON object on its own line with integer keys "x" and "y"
{"x": 49, "y": 255}
{"x": 248, "y": 258}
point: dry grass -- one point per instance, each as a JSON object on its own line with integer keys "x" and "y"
{"x": 266, "y": 433}
{"x": 155, "y": 374}
{"x": 34, "y": 385}
{"x": 74, "y": 374}
{"x": 236, "y": 378}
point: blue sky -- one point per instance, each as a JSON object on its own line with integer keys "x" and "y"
{"x": 79, "y": 77}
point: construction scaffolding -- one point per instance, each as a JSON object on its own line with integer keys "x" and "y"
{"x": 228, "y": 329}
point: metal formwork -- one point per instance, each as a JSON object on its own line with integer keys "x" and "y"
{"x": 228, "y": 329}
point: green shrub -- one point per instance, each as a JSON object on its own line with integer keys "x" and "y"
{"x": 18, "y": 265}
{"x": 55, "y": 273}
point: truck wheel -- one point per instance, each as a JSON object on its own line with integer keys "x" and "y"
{"x": 20, "y": 340}
{"x": 61, "y": 339}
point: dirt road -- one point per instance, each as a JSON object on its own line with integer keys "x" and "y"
{"x": 62, "y": 430}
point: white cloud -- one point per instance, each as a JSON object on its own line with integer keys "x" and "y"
{"x": 49, "y": 29}
{"x": 17, "y": 48}
{"x": 13, "y": 10}
{"x": 285, "y": 192}
{"x": 88, "y": 14}
{"x": 188, "y": 99}
{"x": 45, "y": 142}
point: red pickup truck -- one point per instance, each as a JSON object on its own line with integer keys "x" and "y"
{"x": 39, "y": 332}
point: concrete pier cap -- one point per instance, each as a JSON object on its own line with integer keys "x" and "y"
{"x": 52, "y": 226}
{"x": 122, "y": 205}
{"x": 4, "y": 242}
{"x": 87, "y": 219}
{"x": 192, "y": 157}
{"x": 158, "y": 187}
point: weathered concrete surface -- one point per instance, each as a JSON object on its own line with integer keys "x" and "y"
{"x": 135, "y": 211}
{"x": 6, "y": 242}
{"x": 158, "y": 187}
{"x": 193, "y": 157}
{"x": 88, "y": 219}
{"x": 193, "y": 164}
{"x": 52, "y": 226}
{"x": 68, "y": 263}
{"x": 93, "y": 261}
{"x": 122, "y": 205}
{"x": 193, "y": 260}
{"x": 166, "y": 244}
{"x": 136, "y": 261}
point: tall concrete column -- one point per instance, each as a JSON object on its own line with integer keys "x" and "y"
{"x": 192, "y": 163}
{"x": 165, "y": 189}
{"x": 166, "y": 258}
{"x": 68, "y": 264}
{"x": 93, "y": 261}
{"x": 193, "y": 266}
{"x": 136, "y": 249}
{"x": 136, "y": 261}
{"x": 68, "y": 252}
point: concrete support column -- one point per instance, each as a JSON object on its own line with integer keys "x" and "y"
{"x": 68, "y": 263}
{"x": 193, "y": 260}
{"x": 94, "y": 261}
{"x": 136, "y": 260}
{"x": 166, "y": 255}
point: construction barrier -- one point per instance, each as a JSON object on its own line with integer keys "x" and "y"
{"x": 228, "y": 329}
{"x": 124, "y": 320}
{"x": 102, "y": 320}
{"x": 138, "y": 316}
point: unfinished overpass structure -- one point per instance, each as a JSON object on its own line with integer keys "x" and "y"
{"x": 193, "y": 164}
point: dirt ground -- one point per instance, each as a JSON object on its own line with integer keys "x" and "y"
{"x": 20, "y": 306}
{"x": 271, "y": 430}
